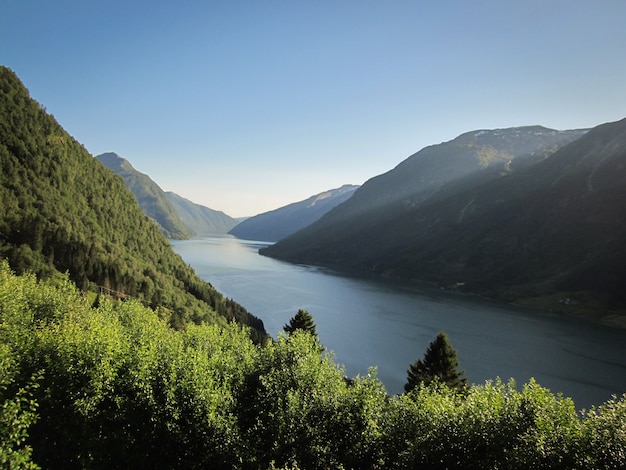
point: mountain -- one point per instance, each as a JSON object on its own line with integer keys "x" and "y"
{"x": 62, "y": 211}
{"x": 280, "y": 223}
{"x": 546, "y": 227}
{"x": 482, "y": 154}
{"x": 434, "y": 172}
{"x": 151, "y": 198}
{"x": 200, "y": 220}
{"x": 178, "y": 217}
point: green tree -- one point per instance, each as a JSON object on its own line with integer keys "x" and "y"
{"x": 440, "y": 363}
{"x": 114, "y": 386}
{"x": 18, "y": 411}
{"x": 302, "y": 320}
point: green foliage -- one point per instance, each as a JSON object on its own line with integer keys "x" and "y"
{"x": 604, "y": 435}
{"x": 62, "y": 211}
{"x": 440, "y": 364}
{"x": 113, "y": 386}
{"x": 303, "y": 413}
{"x": 302, "y": 321}
{"x": 492, "y": 426}
{"x": 117, "y": 381}
{"x": 17, "y": 414}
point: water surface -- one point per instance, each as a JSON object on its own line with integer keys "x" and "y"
{"x": 388, "y": 325}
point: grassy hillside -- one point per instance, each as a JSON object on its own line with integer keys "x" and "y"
{"x": 62, "y": 210}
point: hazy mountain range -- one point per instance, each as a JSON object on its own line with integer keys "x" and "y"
{"x": 523, "y": 213}
{"x": 282, "y": 222}
{"x": 150, "y": 196}
{"x": 201, "y": 220}
{"x": 177, "y": 216}
{"x": 180, "y": 218}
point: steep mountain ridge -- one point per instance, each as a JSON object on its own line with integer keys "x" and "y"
{"x": 201, "y": 220}
{"x": 439, "y": 170}
{"x": 150, "y": 196}
{"x": 422, "y": 174}
{"x": 178, "y": 217}
{"x": 284, "y": 221}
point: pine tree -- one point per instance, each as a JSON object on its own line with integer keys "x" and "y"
{"x": 440, "y": 363}
{"x": 302, "y": 320}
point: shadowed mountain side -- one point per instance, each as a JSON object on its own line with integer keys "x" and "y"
{"x": 557, "y": 225}
{"x": 280, "y": 223}
{"x": 149, "y": 195}
{"x": 422, "y": 174}
{"x": 200, "y": 219}
{"x": 435, "y": 172}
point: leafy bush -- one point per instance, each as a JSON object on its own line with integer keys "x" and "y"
{"x": 113, "y": 385}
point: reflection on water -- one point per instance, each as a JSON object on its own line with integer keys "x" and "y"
{"x": 389, "y": 325}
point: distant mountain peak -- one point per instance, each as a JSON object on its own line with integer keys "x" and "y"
{"x": 112, "y": 158}
{"x": 284, "y": 221}
{"x": 346, "y": 188}
{"x": 522, "y": 135}
{"x": 200, "y": 219}
{"x": 177, "y": 216}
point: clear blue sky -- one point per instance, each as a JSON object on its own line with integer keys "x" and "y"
{"x": 245, "y": 106}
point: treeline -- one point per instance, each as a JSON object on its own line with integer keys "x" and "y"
{"x": 63, "y": 211}
{"x": 113, "y": 386}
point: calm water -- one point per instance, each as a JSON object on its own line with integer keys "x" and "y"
{"x": 388, "y": 325}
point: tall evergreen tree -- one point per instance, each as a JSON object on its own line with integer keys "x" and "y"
{"x": 302, "y": 320}
{"x": 440, "y": 363}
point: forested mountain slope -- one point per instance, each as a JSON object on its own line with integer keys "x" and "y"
{"x": 552, "y": 226}
{"x": 280, "y": 223}
{"x": 62, "y": 210}
{"x": 178, "y": 217}
{"x": 151, "y": 198}
{"x": 201, "y": 220}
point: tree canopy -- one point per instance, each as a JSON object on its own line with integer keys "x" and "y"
{"x": 302, "y": 321}
{"x": 113, "y": 386}
{"x": 440, "y": 364}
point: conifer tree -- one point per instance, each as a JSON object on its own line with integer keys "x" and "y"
{"x": 302, "y": 320}
{"x": 440, "y": 363}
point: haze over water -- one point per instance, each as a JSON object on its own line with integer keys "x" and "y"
{"x": 388, "y": 325}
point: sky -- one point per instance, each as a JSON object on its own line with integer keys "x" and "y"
{"x": 247, "y": 106}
